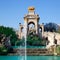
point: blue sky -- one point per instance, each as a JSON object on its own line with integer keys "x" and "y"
{"x": 13, "y": 11}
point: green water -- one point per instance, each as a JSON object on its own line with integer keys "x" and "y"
{"x": 30, "y": 58}
{"x": 12, "y": 58}
{"x": 29, "y": 47}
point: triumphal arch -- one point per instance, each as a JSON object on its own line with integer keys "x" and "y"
{"x": 31, "y": 24}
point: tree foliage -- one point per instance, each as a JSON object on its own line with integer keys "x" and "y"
{"x": 52, "y": 27}
{"x": 3, "y": 50}
{"x": 7, "y": 31}
{"x": 35, "y": 40}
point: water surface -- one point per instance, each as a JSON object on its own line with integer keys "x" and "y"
{"x": 29, "y": 46}
{"x": 30, "y": 58}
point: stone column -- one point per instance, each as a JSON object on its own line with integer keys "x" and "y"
{"x": 42, "y": 30}
{"x": 36, "y": 27}
{"x": 19, "y": 31}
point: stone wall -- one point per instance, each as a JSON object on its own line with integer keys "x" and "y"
{"x": 51, "y": 36}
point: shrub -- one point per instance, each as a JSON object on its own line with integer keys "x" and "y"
{"x": 3, "y": 50}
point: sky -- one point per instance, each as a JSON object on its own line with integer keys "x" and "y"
{"x": 13, "y": 11}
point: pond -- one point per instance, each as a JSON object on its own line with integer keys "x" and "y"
{"x": 30, "y": 58}
{"x": 29, "y": 46}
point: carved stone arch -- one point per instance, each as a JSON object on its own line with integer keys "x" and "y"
{"x": 31, "y": 27}
{"x": 31, "y": 22}
{"x": 41, "y": 29}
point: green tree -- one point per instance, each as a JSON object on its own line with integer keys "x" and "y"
{"x": 7, "y": 31}
{"x": 3, "y": 50}
{"x": 34, "y": 40}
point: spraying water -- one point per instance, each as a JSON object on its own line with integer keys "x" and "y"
{"x": 25, "y": 39}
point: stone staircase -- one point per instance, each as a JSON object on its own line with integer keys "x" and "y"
{"x": 33, "y": 51}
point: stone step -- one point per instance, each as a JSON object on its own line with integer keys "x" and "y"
{"x": 34, "y": 51}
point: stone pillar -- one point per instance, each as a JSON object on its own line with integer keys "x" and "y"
{"x": 36, "y": 27}
{"x": 42, "y": 30}
{"x": 19, "y": 31}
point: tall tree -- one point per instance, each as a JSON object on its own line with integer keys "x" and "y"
{"x": 7, "y": 31}
{"x": 52, "y": 27}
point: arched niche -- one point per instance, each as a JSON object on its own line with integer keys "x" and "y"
{"x": 40, "y": 29}
{"x": 22, "y": 29}
{"x": 31, "y": 27}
